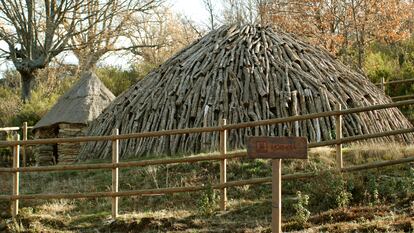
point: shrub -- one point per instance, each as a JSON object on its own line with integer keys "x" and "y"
{"x": 378, "y": 66}
{"x": 117, "y": 80}
{"x": 302, "y": 214}
{"x": 9, "y": 105}
{"x": 207, "y": 202}
{"x": 330, "y": 191}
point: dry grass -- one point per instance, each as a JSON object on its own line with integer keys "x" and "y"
{"x": 248, "y": 206}
{"x": 246, "y": 217}
{"x": 364, "y": 153}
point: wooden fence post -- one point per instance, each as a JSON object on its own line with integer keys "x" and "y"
{"x": 223, "y": 166}
{"x": 115, "y": 173}
{"x": 276, "y": 196}
{"x": 16, "y": 178}
{"x": 338, "y": 125}
{"x": 24, "y": 158}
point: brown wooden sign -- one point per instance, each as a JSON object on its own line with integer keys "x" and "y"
{"x": 277, "y": 147}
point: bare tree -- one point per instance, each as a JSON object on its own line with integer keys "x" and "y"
{"x": 107, "y": 28}
{"x": 34, "y": 33}
{"x": 157, "y": 37}
{"x": 242, "y": 11}
{"x": 212, "y": 16}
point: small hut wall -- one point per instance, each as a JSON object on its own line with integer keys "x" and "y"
{"x": 45, "y": 154}
{"x": 67, "y": 152}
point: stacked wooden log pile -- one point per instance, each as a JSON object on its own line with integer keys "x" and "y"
{"x": 242, "y": 73}
{"x": 67, "y": 152}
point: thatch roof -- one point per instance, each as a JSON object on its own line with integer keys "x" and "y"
{"x": 81, "y": 104}
{"x": 242, "y": 73}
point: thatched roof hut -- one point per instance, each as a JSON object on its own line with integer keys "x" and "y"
{"x": 242, "y": 73}
{"x": 69, "y": 117}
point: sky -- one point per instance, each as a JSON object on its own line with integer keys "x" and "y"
{"x": 193, "y": 9}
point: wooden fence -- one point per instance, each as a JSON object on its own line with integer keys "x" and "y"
{"x": 383, "y": 82}
{"x": 402, "y": 97}
{"x": 24, "y": 128}
{"x": 383, "y": 85}
{"x": 7, "y": 158}
{"x": 222, "y": 156}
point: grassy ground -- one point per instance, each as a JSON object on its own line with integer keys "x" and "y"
{"x": 379, "y": 200}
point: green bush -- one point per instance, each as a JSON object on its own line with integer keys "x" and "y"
{"x": 117, "y": 80}
{"x": 383, "y": 188}
{"x": 330, "y": 191}
{"x": 9, "y": 105}
{"x": 207, "y": 202}
{"x": 378, "y": 66}
{"x": 392, "y": 62}
{"x": 374, "y": 188}
{"x": 302, "y": 214}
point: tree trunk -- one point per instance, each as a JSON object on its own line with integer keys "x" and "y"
{"x": 88, "y": 62}
{"x": 360, "y": 55}
{"x": 27, "y": 78}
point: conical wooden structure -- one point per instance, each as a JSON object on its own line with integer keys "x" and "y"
{"x": 241, "y": 73}
{"x": 69, "y": 118}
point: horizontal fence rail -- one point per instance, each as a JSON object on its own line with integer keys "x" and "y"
{"x": 395, "y": 82}
{"x": 162, "y": 191}
{"x": 222, "y": 156}
{"x": 213, "y": 157}
{"x": 402, "y": 97}
{"x": 383, "y": 86}
{"x": 24, "y": 135}
{"x": 10, "y": 129}
{"x": 192, "y": 159}
{"x": 14, "y": 128}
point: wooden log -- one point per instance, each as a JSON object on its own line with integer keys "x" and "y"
{"x": 115, "y": 174}
{"x": 223, "y": 166}
{"x": 338, "y": 125}
{"x": 16, "y": 178}
{"x": 23, "y": 149}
